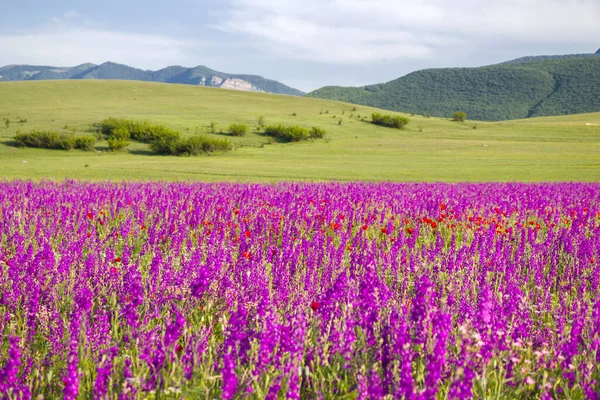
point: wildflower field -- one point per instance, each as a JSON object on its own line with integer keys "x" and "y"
{"x": 299, "y": 290}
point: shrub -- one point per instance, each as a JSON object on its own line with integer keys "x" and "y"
{"x": 293, "y": 133}
{"x": 66, "y": 142}
{"x": 116, "y": 144}
{"x": 212, "y": 129}
{"x": 191, "y": 146}
{"x": 389, "y": 121}
{"x": 54, "y": 140}
{"x": 85, "y": 143}
{"x": 317, "y": 133}
{"x": 260, "y": 121}
{"x": 166, "y": 143}
{"x": 211, "y": 145}
{"x": 141, "y": 131}
{"x": 459, "y": 116}
{"x": 237, "y": 129}
{"x": 287, "y": 133}
{"x": 42, "y": 139}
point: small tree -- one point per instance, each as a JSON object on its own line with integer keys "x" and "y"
{"x": 212, "y": 128}
{"x": 7, "y": 122}
{"x": 459, "y": 116}
{"x": 260, "y": 121}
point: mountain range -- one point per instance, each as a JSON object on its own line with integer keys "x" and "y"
{"x": 522, "y": 88}
{"x": 200, "y": 75}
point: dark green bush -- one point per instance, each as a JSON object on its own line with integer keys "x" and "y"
{"x": 317, "y": 133}
{"x": 141, "y": 131}
{"x": 54, "y": 140}
{"x": 166, "y": 143}
{"x": 41, "y": 139}
{"x": 190, "y": 146}
{"x": 287, "y": 133}
{"x": 116, "y": 143}
{"x": 66, "y": 142}
{"x": 211, "y": 145}
{"x": 85, "y": 143}
{"x": 459, "y": 116}
{"x": 294, "y": 133}
{"x": 389, "y": 121}
{"x": 237, "y": 129}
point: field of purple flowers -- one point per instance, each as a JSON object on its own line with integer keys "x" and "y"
{"x": 318, "y": 291}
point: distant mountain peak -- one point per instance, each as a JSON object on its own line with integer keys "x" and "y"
{"x": 200, "y": 75}
{"x": 598, "y": 52}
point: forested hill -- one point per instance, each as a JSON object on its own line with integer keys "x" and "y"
{"x": 523, "y": 88}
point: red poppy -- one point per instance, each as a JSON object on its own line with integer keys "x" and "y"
{"x": 342, "y": 217}
{"x": 89, "y": 234}
{"x": 336, "y": 226}
{"x": 593, "y": 260}
{"x": 113, "y": 270}
{"x": 384, "y": 230}
{"x": 237, "y": 211}
{"x": 117, "y": 259}
{"x": 101, "y": 222}
{"x": 365, "y": 227}
{"x": 315, "y": 305}
{"x": 143, "y": 226}
{"x": 443, "y": 206}
{"x": 90, "y": 216}
{"x": 179, "y": 348}
{"x": 433, "y": 224}
{"x": 409, "y": 230}
{"x": 248, "y": 234}
{"x": 246, "y": 255}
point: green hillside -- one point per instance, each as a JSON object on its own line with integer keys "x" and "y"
{"x": 524, "y": 88}
{"x": 428, "y": 149}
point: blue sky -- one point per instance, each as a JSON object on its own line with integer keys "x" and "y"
{"x": 303, "y": 43}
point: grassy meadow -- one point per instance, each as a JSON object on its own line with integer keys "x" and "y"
{"x": 428, "y": 149}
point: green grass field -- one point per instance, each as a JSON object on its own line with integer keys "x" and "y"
{"x": 429, "y": 149}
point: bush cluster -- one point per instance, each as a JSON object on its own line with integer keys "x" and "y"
{"x": 389, "y": 121}
{"x": 163, "y": 140}
{"x": 191, "y": 146}
{"x": 141, "y": 131}
{"x": 294, "y": 133}
{"x": 54, "y": 140}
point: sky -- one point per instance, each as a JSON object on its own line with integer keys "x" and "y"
{"x": 305, "y": 44}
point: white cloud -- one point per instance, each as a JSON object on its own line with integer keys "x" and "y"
{"x": 358, "y": 31}
{"x": 73, "y": 46}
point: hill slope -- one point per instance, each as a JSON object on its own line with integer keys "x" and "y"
{"x": 523, "y": 88}
{"x": 428, "y": 149}
{"x": 174, "y": 74}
